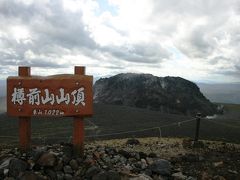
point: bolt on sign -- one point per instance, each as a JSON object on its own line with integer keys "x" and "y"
{"x": 59, "y": 95}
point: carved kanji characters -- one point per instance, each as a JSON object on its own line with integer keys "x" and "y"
{"x": 48, "y": 98}
{"x": 63, "y": 97}
{"x": 34, "y": 96}
{"x": 18, "y": 96}
{"x": 78, "y": 97}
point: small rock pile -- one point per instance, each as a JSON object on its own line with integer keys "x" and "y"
{"x": 57, "y": 162}
{"x": 148, "y": 159}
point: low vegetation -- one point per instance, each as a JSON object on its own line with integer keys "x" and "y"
{"x": 112, "y": 121}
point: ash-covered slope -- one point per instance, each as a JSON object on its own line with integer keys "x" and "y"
{"x": 165, "y": 94}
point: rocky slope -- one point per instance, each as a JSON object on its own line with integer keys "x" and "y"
{"x": 134, "y": 159}
{"x": 165, "y": 94}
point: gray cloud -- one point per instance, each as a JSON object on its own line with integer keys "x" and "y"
{"x": 141, "y": 53}
{"x": 201, "y": 30}
{"x": 50, "y": 33}
{"x": 53, "y": 29}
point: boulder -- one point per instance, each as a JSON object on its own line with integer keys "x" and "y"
{"x": 47, "y": 160}
{"x": 92, "y": 171}
{"x": 161, "y": 167}
{"x": 133, "y": 142}
{"x": 17, "y": 166}
{"x": 110, "y": 175}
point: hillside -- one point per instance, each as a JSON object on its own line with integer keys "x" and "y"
{"x": 166, "y": 94}
{"x": 125, "y": 159}
{"x": 140, "y": 158}
{"x": 113, "y": 121}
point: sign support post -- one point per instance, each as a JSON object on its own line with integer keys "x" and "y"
{"x": 24, "y": 122}
{"x": 78, "y": 124}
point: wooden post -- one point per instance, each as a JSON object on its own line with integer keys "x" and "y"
{"x": 24, "y": 122}
{"x": 197, "y": 127}
{"x": 78, "y": 124}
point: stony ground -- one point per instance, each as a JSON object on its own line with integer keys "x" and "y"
{"x": 143, "y": 159}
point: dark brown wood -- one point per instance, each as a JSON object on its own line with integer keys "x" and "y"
{"x": 24, "y": 133}
{"x": 78, "y": 136}
{"x": 80, "y": 70}
{"x": 69, "y": 83}
{"x": 24, "y": 71}
{"x": 24, "y": 122}
{"x": 78, "y": 124}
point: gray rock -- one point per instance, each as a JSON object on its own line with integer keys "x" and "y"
{"x": 59, "y": 166}
{"x": 123, "y": 160}
{"x": 133, "y": 142}
{"x": 191, "y": 178}
{"x": 5, "y": 162}
{"x": 80, "y": 172}
{"x": 148, "y": 172}
{"x": 191, "y": 158}
{"x": 52, "y": 174}
{"x": 124, "y": 153}
{"x": 137, "y": 156}
{"x": 152, "y": 155}
{"x": 143, "y": 164}
{"x": 66, "y": 159}
{"x": 16, "y": 166}
{"x": 136, "y": 168}
{"x": 47, "y": 160}
{"x": 161, "y": 166}
{"x": 74, "y": 165}
{"x": 67, "y": 169}
{"x": 68, "y": 177}
{"x": 110, "y": 151}
{"x": 110, "y": 175}
{"x": 79, "y": 160}
{"x": 116, "y": 159}
{"x": 2, "y": 174}
{"x": 92, "y": 171}
{"x": 28, "y": 175}
{"x": 138, "y": 165}
{"x": 232, "y": 171}
{"x": 60, "y": 175}
{"x": 37, "y": 153}
{"x": 107, "y": 160}
{"x": 5, "y": 172}
{"x": 68, "y": 150}
{"x": 179, "y": 176}
{"x": 142, "y": 155}
{"x": 9, "y": 178}
{"x": 149, "y": 160}
{"x": 141, "y": 177}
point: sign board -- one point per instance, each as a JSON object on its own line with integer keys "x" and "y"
{"x": 58, "y": 95}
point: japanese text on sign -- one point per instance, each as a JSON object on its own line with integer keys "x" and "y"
{"x": 35, "y": 96}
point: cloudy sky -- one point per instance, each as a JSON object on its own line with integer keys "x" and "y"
{"x": 198, "y": 40}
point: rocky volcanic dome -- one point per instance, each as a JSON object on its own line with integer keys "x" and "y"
{"x": 165, "y": 94}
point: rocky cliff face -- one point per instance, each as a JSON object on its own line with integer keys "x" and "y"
{"x": 166, "y": 94}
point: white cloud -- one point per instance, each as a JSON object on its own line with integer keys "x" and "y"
{"x": 194, "y": 39}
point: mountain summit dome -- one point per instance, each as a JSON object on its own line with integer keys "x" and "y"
{"x": 166, "y": 94}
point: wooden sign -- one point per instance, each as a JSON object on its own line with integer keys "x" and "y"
{"x": 59, "y": 95}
